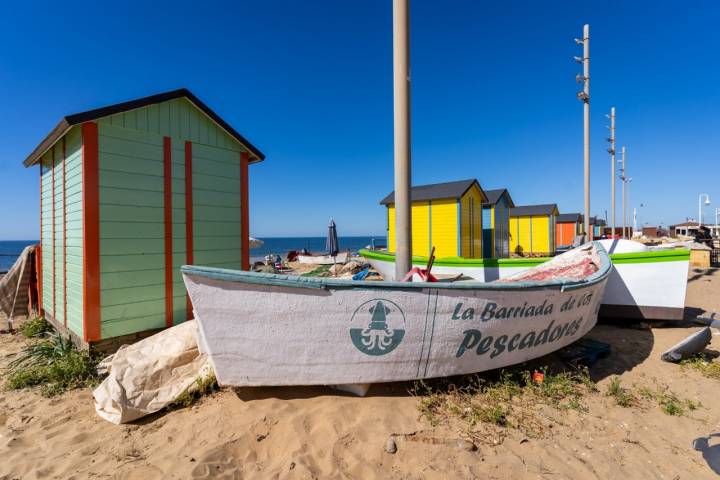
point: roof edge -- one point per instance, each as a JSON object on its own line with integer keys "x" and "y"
{"x": 75, "y": 119}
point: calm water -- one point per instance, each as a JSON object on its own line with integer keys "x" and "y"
{"x": 10, "y": 250}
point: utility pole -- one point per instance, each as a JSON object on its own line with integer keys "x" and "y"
{"x": 623, "y": 179}
{"x": 611, "y": 151}
{"x": 584, "y": 96}
{"x": 401, "y": 122}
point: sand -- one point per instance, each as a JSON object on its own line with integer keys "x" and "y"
{"x": 318, "y": 433}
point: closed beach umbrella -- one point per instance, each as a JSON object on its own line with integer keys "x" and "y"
{"x": 331, "y": 245}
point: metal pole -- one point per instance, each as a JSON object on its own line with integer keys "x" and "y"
{"x": 612, "y": 170}
{"x": 401, "y": 114}
{"x": 586, "y": 135}
{"x": 623, "y": 179}
{"x": 700, "y": 211}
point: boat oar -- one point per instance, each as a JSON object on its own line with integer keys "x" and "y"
{"x": 431, "y": 260}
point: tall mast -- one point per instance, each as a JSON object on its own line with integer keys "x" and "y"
{"x": 401, "y": 122}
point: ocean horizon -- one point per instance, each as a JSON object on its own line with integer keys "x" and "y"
{"x": 10, "y": 250}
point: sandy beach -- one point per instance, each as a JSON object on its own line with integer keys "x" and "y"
{"x": 319, "y": 433}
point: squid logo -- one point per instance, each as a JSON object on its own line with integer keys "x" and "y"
{"x": 379, "y": 338}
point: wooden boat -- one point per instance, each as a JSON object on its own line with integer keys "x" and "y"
{"x": 322, "y": 259}
{"x": 644, "y": 284}
{"x": 266, "y": 329}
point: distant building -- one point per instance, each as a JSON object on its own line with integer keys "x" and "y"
{"x": 598, "y": 227}
{"x": 569, "y": 225}
{"x": 690, "y": 227}
{"x": 447, "y": 216}
{"x": 496, "y": 223}
{"x": 532, "y": 229}
{"x": 686, "y": 228}
{"x": 652, "y": 232}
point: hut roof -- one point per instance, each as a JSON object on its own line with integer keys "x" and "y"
{"x": 544, "y": 209}
{"x": 599, "y": 222}
{"x": 569, "y": 217}
{"x": 437, "y": 190}
{"x": 70, "y": 120}
{"x": 494, "y": 196}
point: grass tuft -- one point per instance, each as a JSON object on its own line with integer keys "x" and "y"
{"x": 55, "y": 364}
{"x": 703, "y": 364}
{"x": 35, "y": 328}
{"x": 203, "y": 386}
{"x": 621, "y": 395}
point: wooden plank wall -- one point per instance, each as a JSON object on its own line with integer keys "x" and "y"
{"x": 61, "y": 178}
{"x": 132, "y": 213}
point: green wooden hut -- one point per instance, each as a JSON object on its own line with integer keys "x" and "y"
{"x": 128, "y": 194}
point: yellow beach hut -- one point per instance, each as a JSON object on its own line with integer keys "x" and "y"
{"x": 496, "y": 216}
{"x": 447, "y": 216}
{"x": 532, "y": 229}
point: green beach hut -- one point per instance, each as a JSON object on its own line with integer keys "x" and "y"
{"x": 128, "y": 194}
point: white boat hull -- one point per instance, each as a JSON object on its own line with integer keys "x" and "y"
{"x": 341, "y": 257}
{"x": 645, "y": 285}
{"x": 264, "y": 329}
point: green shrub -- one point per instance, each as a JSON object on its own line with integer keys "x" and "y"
{"x": 35, "y": 327}
{"x": 55, "y": 364}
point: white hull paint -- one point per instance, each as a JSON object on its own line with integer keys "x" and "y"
{"x": 653, "y": 290}
{"x": 264, "y": 329}
{"x": 341, "y": 257}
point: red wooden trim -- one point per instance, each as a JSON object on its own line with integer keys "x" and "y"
{"x": 167, "y": 180}
{"x": 64, "y": 214}
{"x": 188, "y": 218}
{"x": 91, "y": 232}
{"x": 38, "y": 254}
{"x": 54, "y": 250}
{"x": 244, "y": 213}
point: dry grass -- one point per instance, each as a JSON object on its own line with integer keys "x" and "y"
{"x": 511, "y": 400}
{"x": 704, "y": 364}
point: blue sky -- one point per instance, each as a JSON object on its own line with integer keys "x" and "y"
{"x": 310, "y": 84}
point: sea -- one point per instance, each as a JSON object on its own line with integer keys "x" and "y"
{"x": 11, "y": 249}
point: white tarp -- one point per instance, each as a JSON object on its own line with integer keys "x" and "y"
{"x": 149, "y": 375}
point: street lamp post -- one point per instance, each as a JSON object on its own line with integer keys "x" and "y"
{"x": 700, "y": 204}
{"x": 623, "y": 179}
{"x": 584, "y": 96}
{"x": 611, "y": 151}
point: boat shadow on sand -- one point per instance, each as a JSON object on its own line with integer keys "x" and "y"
{"x": 630, "y": 345}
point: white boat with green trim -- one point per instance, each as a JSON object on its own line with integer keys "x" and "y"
{"x": 268, "y": 329}
{"x": 644, "y": 283}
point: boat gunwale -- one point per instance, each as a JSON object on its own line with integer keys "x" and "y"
{"x": 274, "y": 279}
{"x": 653, "y": 256}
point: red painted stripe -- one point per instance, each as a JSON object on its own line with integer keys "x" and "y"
{"x": 91, "y": 232}
{"x": 64, "y": 213}
{"x": 54, "y": 250}
{"x": 38, "y": 254}
{"x": 244, "y": 213}
{"x": 167, "y": 178}
{"x": 188, "y": 218}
